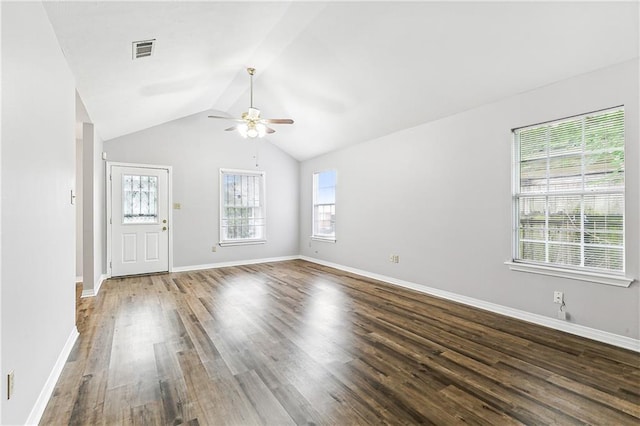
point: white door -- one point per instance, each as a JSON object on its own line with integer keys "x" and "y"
{"x": 139, "y": 220}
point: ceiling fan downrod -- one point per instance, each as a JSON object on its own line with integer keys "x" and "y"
{"x": 251, "y": 72}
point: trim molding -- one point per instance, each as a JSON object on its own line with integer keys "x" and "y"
{"x": 609, "y": 279}
{"x": 579, "y": 330}
{"x": 79, "y": 279}
{"x": 232, "y": 263}
{"x": 92, "y": 292}
{"x": 50, "y": 384}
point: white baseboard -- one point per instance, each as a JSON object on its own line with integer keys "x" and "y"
{"x": 91, "y": 292}
{"x": 99, "y": 283}
{"x": 579, "y": 330}
{"x": 79, "y": 279}
{"x": 232, "y": 263}
{"x": 50, "y": 384}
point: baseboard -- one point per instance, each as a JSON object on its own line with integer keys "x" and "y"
{"x": 232, "y": 263}
{"x": 578, "y": 330}
{"x": 91, "y": 292}
{"x": 78, "y": 279}
{"x": 50, "y": 384}
{"x": 99, "y": 283}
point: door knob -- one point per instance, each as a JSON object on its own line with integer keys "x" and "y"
{"x": 164, "y": 228}
{"x": 164, "y": 220}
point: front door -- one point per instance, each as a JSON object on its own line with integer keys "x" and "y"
{"x": 139, "y": 220}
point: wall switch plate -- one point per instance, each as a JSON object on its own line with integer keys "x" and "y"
{"x": 214, "y": 249}
{"x": 558, "y": 297}
{"x": 10, "y": 383}
{"x": 177, "y": 206}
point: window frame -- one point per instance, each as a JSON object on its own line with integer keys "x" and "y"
{"x": 314, "y": 179}
{"x": 584, "y": 273}
{"x": 222, "y": 205}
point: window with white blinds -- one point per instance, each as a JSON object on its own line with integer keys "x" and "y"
{"x": 569, "y": 192}
{"x": 324, "y": 205}
{"x": 242, "y": 207}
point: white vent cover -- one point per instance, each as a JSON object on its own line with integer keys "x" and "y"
{"x": 143, "y": 48}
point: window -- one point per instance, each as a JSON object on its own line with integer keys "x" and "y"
{"x": 242, "y": 208}
{"x": 324, "y": 205}
{"x": 569, "y": 193}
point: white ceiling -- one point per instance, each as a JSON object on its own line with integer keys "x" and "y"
{"x": 346, "y": 72}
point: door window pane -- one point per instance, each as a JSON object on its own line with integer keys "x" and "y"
{"x": 139, "y": 199}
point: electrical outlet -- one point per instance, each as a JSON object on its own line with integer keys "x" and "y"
{"x": 558, "y": 297}
{"x": 10, "y": 383}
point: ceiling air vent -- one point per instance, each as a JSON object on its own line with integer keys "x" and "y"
{"x": 143, "y": 48}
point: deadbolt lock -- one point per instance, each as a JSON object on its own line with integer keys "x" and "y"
{"x": 164, "y": 221}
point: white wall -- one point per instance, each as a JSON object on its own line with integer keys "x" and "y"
{"x": 38, "y": 220}
{"x": 79, "y": 206}
{"x": 439, "y": 196}
{"x": 93, "y": 206}
{"x": 97, "y": 178}
{"x": 197, "y": 148}
{"x": 82, "y": 116}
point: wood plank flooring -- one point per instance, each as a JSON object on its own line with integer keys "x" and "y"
{"x": 298, "y": 343}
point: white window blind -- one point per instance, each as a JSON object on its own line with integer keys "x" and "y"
{"x": 569, "y": 192}
{"x": 324, "y": 205}
{"x": 242, "y": 207}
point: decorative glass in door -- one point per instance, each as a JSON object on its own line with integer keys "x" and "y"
{"x": 139, "y": 199}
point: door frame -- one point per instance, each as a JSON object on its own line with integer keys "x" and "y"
{"x": 108, "y": 217}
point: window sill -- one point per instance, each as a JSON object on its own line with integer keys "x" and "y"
{"x": 324, "y": 239}
{"x": 594, "y": 277}
{"x": 241, "y": 243}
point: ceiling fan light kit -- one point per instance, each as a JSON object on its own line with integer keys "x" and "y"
{"x": 251, "y": 125}
{"x": 252, "y": 130}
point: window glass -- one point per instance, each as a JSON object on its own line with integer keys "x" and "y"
{"x": 324, "y": 204}
{"x": 569, "y": 192}
{"x": 242, "y": 217}
{"x": 139, "y": 199}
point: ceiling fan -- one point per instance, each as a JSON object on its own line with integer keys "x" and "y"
{"x": 251, "y": 124}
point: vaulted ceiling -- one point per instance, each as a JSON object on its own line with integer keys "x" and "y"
{"x": 346, "y": 72}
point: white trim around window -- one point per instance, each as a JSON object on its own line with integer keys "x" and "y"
{"x": 600, "y": 278}
{"x": 569, "y": 198}
{"x": 242, "y": 207}
{"x": 323, "y": 214}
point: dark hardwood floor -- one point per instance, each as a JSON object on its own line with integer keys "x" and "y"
{"x": 298, "y": 343}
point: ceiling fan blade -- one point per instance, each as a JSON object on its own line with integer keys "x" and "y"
{"x": 277, "y": 120}
{"x": 270, "y": 130}
{"x": 231, "y": 128}
{"x": 226, "y": 118}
